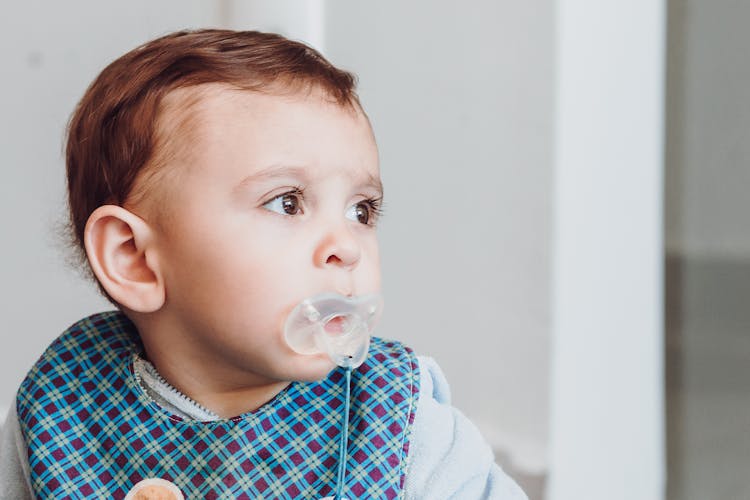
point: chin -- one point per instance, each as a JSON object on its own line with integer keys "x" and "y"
{"x": 313, "y": 368}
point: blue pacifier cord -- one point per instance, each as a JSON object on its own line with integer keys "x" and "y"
{"x": 344, "y": 439}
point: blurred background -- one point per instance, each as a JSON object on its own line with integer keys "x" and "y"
{"x": 566, "y": 225}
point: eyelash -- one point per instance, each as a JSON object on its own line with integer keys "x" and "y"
{"x": 374, "y": 205}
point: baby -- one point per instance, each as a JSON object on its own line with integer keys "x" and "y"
{"x": 219, "y": 183}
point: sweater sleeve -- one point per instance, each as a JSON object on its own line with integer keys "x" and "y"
{"x": 448, "y": 458}
{"x": 14, "y": 464}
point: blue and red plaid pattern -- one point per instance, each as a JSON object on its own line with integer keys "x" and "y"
{"x": 92, "y": 432}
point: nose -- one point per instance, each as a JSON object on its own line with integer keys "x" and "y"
{"x": 338, "y": 248}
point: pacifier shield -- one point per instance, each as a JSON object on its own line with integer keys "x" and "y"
{"x": 334, "y": 324}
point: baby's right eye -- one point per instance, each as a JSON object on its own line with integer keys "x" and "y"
{"x": 286, "y": 204}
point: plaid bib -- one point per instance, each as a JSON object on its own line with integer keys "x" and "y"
{"x": 92, "y": 432}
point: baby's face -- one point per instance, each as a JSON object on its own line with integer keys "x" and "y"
{"x": 272, "y": 200}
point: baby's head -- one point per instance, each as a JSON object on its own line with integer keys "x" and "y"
{"x": 216, "y": 179}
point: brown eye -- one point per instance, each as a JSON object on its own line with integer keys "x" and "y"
{"x": 290, "y": 204}
{"x": 361, "y": 212}
{"x": 286, "y": 204}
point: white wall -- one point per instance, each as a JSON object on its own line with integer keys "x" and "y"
{"x": 607, "y": 436}
{"x": 51, "y": 51}
{"x": 460, "y": 96}
{"x": 297, "y": 20}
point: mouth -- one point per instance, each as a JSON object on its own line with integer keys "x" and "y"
{"x": 336, "y": 325}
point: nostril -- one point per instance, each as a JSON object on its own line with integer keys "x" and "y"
{"x": 333, "y": 259}
{"x": 338, "y": 250}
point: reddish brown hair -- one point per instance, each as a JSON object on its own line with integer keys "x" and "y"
{"x": 112, "y": 134}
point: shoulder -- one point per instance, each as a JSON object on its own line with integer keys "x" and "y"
{"x": 110, "y": 329}
{"x": 390, "y": 351}
{"x": 448, "y": 457}
{"x": 98, "y": 332}
{"x": 392, "y": 366}
{"x": 433, "y": 382}
{"x": 80, "y": 353}
{"x": 391, "y": 371}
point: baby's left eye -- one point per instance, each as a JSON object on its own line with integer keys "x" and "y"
{"x": 363, "y": 212}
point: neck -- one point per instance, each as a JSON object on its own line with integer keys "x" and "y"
{"x": 217, "y": 385}
{"x": 223, "y": 399}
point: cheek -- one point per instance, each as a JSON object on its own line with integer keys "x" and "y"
{"x": 251, "y": 273}
{"x": 207, "y": 262}
{"x": 370, "y": 266}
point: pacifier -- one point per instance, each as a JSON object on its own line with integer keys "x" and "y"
{"x": 334, "y": 324}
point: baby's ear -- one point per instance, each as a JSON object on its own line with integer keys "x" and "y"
{"x": 121, "y": 250}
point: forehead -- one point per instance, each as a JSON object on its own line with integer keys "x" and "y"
{"x": 295, "y": 127}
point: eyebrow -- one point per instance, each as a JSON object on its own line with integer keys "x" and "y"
{"x": 273, "y": 172}
{"x": 277, "y": 171}
{"x": 373, "y": 182}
